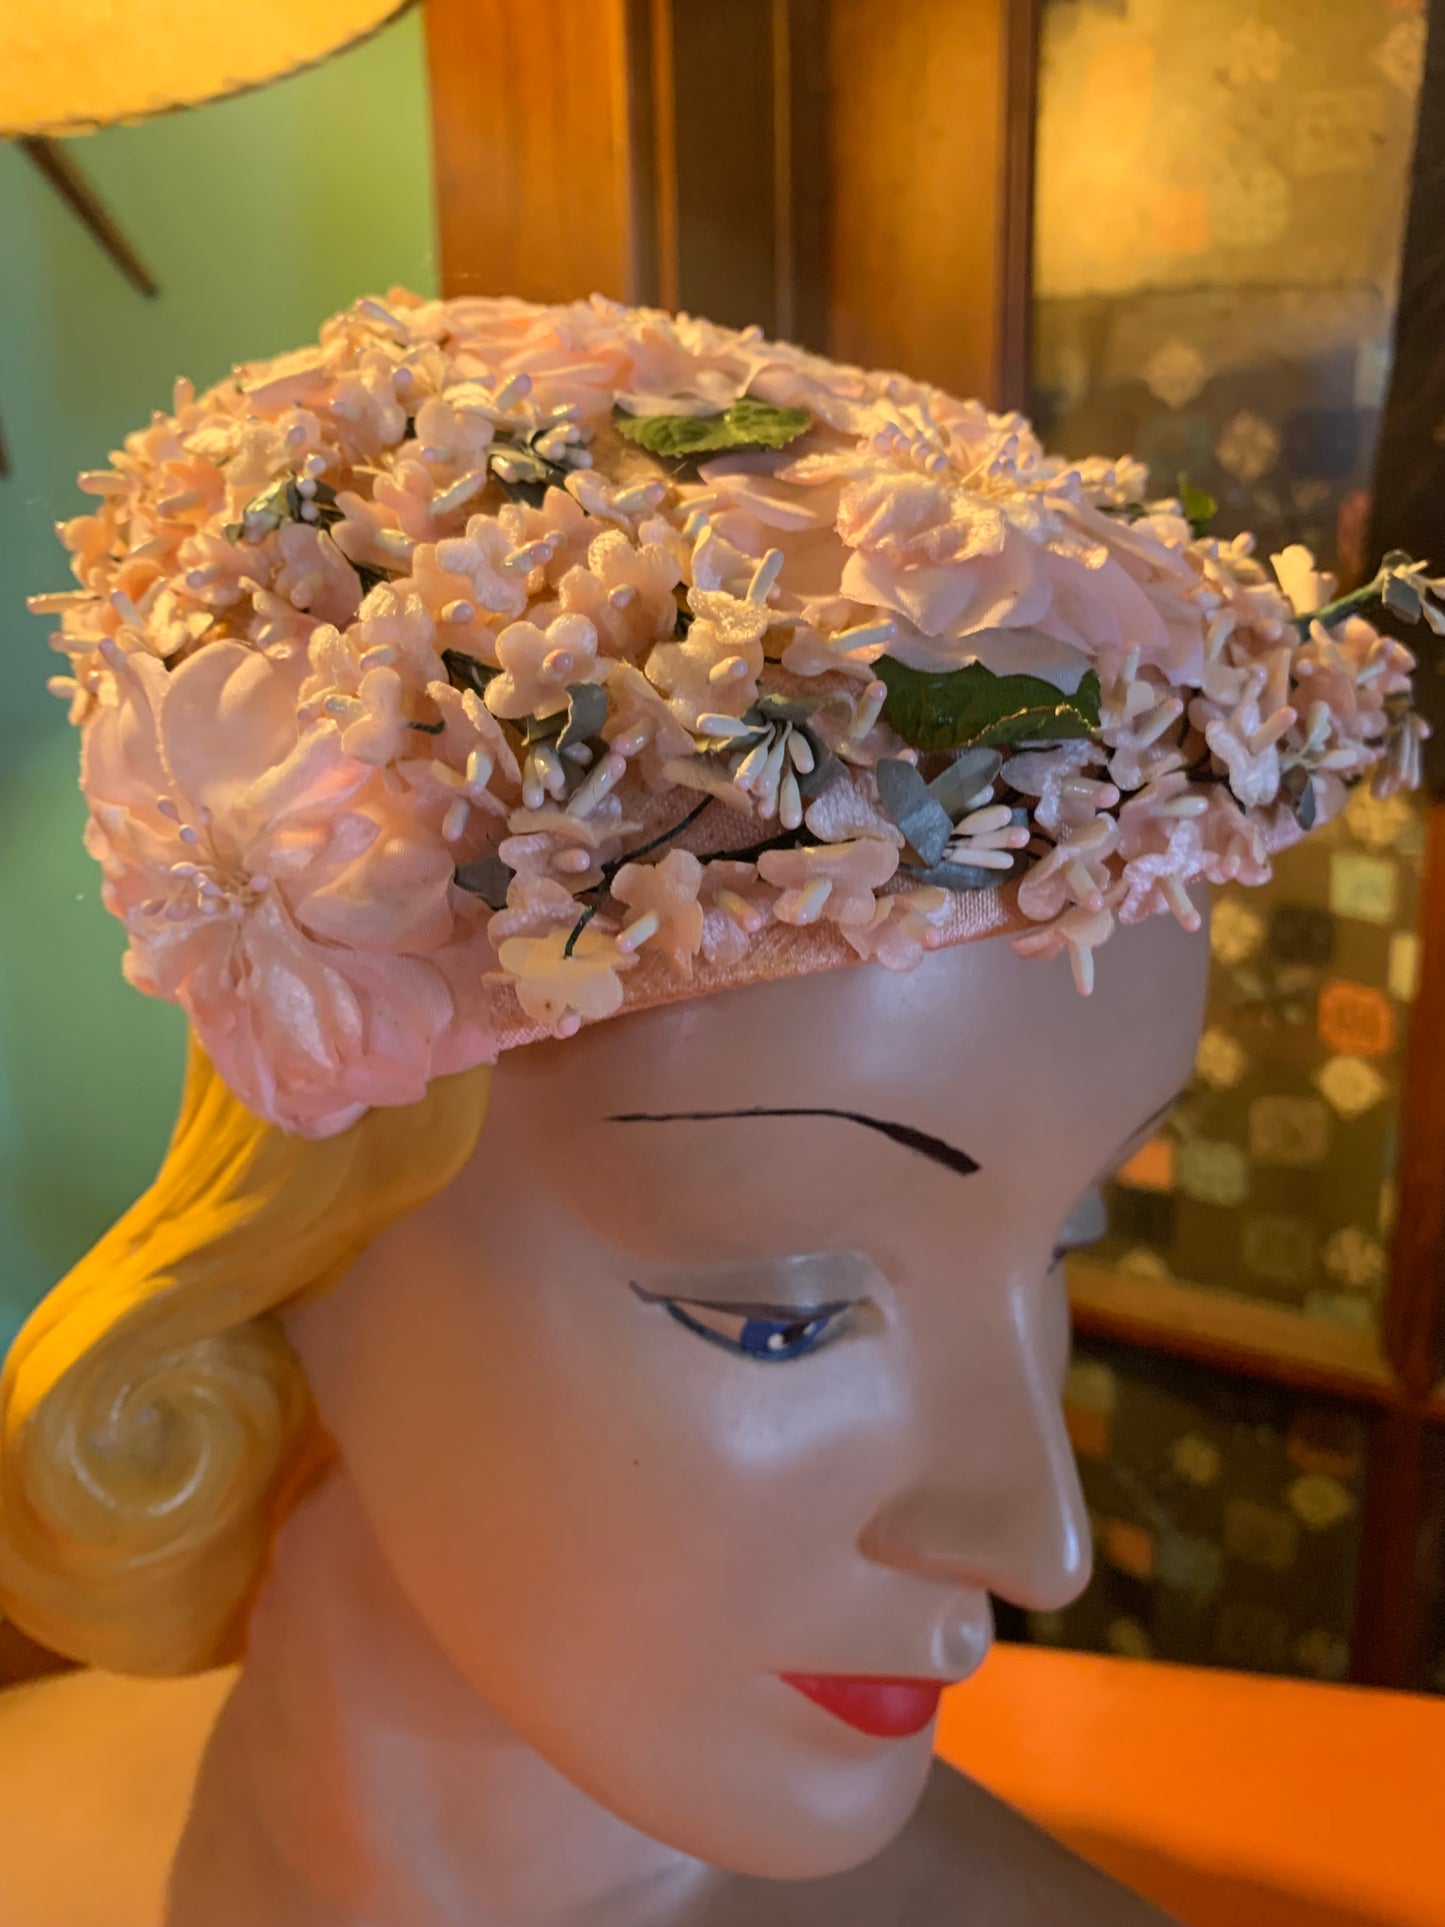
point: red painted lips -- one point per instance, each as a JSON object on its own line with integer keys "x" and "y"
{"x": 885, "y": 1709}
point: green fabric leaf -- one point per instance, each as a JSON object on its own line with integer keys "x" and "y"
{"x": 971, "y": 707}
{"x": 745, "y": 423}
{"x": 1200, "y": 508}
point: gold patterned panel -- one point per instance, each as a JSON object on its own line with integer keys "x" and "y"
{"x": 1226, "y": 1518}
{"x": 1224, "y": 143}
{"x": 1215, "y": 279}
{"x": 1274, "y": 1176}
{"x": 1215, "y": 292}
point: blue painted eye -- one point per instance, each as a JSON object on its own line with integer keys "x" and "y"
{"x": 771, "y": 1340}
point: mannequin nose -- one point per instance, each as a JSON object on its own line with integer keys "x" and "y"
{"x": 995, "y": 1501}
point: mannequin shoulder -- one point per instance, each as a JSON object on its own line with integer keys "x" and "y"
{"x": 96, "y": 1775}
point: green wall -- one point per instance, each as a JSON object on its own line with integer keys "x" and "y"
{"x": 258, "y": 217}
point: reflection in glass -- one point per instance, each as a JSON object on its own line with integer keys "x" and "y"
{"x": 1221, "y": 195}
{"x": 1226, "y": 1518}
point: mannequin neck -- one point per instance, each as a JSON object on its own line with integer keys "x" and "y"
{"x": 356, "y": 1779}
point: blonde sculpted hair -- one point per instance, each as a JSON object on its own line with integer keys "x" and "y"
{"x": 154, "y": 1423}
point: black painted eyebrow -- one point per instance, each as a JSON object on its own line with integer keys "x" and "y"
{"x": 908, "y": 1135}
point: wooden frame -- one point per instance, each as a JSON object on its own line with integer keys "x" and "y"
{"x": 932, "y": 170}
{"x": 532, "y": 137}
{"x": 1235, "y": 1334}
{"x": 809, "y": 164}
{"x": 799, "y": 163}
{"x": 1414, "y": 1323}
{"x": 1409, "y": 488}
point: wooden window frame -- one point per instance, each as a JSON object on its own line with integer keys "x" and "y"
{"x": 790, "y": 162}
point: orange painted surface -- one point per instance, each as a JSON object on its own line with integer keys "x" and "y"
{"x": 1231, "y": 1801}
{"x": 1152, "y": 1166}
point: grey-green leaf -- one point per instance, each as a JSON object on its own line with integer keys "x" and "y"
{"x": 971, "y": 707}
{"x": 960, "y": 876}
{"x": 965, "y": 776}
{"x": 543, "y": 729}
{"x": 524, "y": 476}
{"x": 745, "y": 423}
{"x": 1299, "y": 786}
{"x": 974, "y": 876}
{"x": 1401, "y": 596}
{"x": 282, "y": 502}
{"x": 912, "y": 806}
{"x": 784, "y": 709}
{"x": 487, "y": 878}
{"x": 826, "y": 768}
{"x": 586, "y": 713}
{"x": 466, "y": 671}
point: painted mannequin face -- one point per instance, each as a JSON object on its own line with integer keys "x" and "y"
{"x": 697, "y": 1383}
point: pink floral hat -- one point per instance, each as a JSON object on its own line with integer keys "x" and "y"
{"x": 488, "y": 669}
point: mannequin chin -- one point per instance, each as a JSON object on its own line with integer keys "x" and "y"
{"x": 621, "y": 1517}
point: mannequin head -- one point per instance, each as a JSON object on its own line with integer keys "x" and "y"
{"x": 493, "y": 670}
{"x": 621, "y": 1529}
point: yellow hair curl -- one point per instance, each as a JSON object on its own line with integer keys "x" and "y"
{"x": 154, "y": 1423}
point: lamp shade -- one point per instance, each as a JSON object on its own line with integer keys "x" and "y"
{"x": 69, "y": 66}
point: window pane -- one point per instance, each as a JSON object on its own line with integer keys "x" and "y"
{"x": 1226, "y": 1518}
{"x": 1221, "y": 195}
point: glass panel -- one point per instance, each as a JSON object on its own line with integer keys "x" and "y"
{"x": 1221, "y": 195}
{"x": 1274, "y": 1177}
{"x": 1226, "y": 1518}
